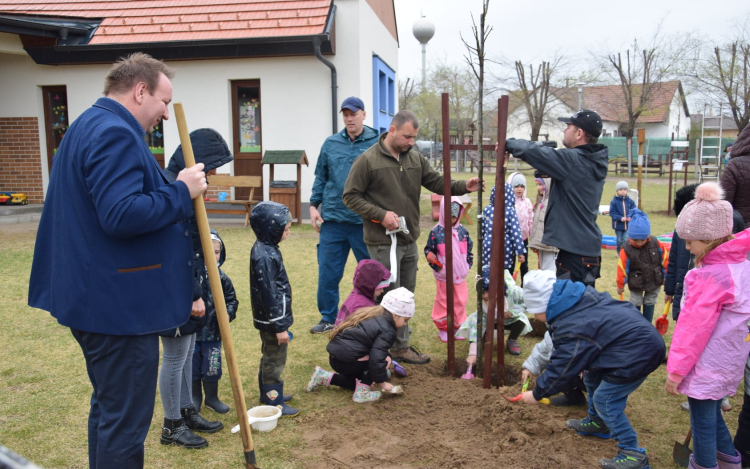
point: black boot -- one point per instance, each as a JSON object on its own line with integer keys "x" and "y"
{"x": 212, "y": 397}
{"x": 262, "y": 400}
{"x": 197, "y": 394}
{"x": 194, "y": 421}
{"x": 175, "y": 432}
{"x": 570, "y": 398}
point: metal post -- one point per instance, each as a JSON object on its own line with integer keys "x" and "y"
{"x": 451, "y": 365}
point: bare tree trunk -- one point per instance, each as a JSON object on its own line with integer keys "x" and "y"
{"x": 477, "y": 50}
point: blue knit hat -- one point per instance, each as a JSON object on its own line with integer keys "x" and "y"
{"x": 639, "y": 226}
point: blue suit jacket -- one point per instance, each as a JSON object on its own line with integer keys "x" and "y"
{"x": 113, "y": 253}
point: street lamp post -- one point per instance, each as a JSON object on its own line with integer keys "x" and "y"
{"x": 580, "y": 94}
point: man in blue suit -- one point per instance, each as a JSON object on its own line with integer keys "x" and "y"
{"x": 113, "y": 256}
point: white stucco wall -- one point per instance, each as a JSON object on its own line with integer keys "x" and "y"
{"x": 11, "y": 44}
{"x": 295, "y": 91}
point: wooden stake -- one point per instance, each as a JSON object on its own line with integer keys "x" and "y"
{"x": 218, "y": 294}
{"x": 497, "y": 257}
{"x": 641, "y": 157}
{"x": 451, "y": 365}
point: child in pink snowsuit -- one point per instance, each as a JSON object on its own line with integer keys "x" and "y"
{"x": 370, "y": 279}
{"x": 462, "y": 262}
{"x": 525, "y": 212}
{"x": 711, "y": 341}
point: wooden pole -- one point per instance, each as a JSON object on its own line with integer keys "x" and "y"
{"x": 641, "y": 156}
{"x": 497, "y": 257}
{"x": 669, "y": 194}
{"x": 218, "y": 294}
{"x": 451, "y": 364}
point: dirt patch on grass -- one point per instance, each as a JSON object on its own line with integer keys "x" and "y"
{"x": 446, "y": 422}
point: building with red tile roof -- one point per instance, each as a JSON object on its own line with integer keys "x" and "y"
{"x": 665, "y": 112}
{"x": 260, "y": 72}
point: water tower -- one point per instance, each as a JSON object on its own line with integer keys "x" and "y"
{"x": 423, "y": 30}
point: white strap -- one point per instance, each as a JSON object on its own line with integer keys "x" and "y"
{"x": 394, "y": 264}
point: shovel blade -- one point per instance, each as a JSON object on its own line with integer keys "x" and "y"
{"x": 662, "y": 325}
{"x": 681, "y": 454}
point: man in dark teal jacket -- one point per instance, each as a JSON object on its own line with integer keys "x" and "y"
{"x": 113, "y": 257}
{"x": 340, "y": 229}
{"x": 578, "y": 172}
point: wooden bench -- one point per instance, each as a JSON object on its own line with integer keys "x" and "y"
{"x": 236, "y": 181}
{"x": 648, "y": 167}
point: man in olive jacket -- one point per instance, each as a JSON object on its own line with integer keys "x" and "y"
{"x": 384, "y": 184}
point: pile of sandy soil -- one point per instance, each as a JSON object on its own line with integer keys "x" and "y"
{"x": 449, "y": 423}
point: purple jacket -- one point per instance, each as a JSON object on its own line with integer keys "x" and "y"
{"x": 367, "y": 276}
{"x": 709, "y": 346}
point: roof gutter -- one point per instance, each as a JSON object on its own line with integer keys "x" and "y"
{"x": 317, "y": 41}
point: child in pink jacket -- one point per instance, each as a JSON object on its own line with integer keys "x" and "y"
{"x": 711, "y": 341}
{"x": 370, "y": 279}
{"x": 463, "y": 259}
{"x": 525, "y": 212}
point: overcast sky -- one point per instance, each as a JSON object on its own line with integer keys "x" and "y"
{"x": 536, "y": 29}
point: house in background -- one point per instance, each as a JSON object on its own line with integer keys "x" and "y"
{"x": 253, "y": 70}
{"x": 666, "y": 113}
{"x": 726, "y": 122}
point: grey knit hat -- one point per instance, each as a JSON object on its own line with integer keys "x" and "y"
{"x": 621, "y": 185}
{"x": 707, "y": 217}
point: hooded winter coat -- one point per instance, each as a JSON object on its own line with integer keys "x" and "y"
{"x": 618, "y": 208}
{"x": 524, "y": 208}
{"x": 270, "y": 291}
{"x": 210, "y": 149}
{"x": 513, "y": 238}
{"x": 373, "y": 337}
{"x": 735, "y": 180}
{"x": 334, "y": 162}
{"x": 709, "y": 347}
{"x": 463, "y": 257}
{"x": 367, "y": 276}
{"x": 591, "y": 331}
{"x": 210, "y": 331}
{"x": 575, "y": 194}
{"x": 537, "y": 227}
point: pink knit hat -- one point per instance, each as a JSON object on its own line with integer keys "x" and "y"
{"x": 707, "y": 217}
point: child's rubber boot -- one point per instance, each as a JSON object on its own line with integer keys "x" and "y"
{"x": 274, "y": 395}
{"x": 175, "y": 432}
{"x": 648, "y": 312}
{"x": 513, "y": 347}
{"x": 197, "y": 394}
{"x": 320, "y": 377}
{"x": 729, "y": 462}
{"x": 362, "y": 394}
{"x": 443, "y": 336}
{"x": 693, "y": 465}
{"x": 212, "y": 397}
{"x": 589, "y": 426}
{"x": 287, "y": 397}
{"x": 195, "y": 422}
{"x": 626, "y": 459}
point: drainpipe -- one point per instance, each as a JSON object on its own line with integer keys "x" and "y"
{"x": 334, "y": 86}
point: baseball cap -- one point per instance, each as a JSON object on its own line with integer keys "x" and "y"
{"x": 353, "y": 103}
{"x": 586, "y": 120}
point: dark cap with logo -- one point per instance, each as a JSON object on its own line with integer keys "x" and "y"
{"x": 353, "y": 103}
{"x": 586, "y": 120}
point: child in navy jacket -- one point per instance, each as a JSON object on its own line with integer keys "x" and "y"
{"x": 619, "y": 209}
{"x": 609, "y": 340}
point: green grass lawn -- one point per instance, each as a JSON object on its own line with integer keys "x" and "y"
{"x": 44, "y": 389}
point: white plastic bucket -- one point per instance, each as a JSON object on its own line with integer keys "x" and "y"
{"x": 262, "y": 418}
